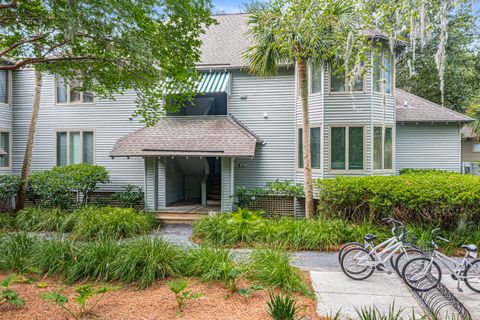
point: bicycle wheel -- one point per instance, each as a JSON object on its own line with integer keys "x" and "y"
{"x": 472, "y": 276}
{"x": 404, "y": 257}
{"x": 357, "y": 263}
{"x": 347, "y": 246}
{"x": 421, "y": 274}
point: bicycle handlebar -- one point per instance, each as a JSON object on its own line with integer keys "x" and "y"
{"x": 396, "y": 225}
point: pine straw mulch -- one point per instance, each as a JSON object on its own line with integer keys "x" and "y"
{"x": 155, "y": 302}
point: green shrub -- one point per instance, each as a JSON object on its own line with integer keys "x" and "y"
{"x": 94, "y": 261}
{"x": 54, "y": 257}
{"x": 8, "y": 186}
{"x": 110, "y": 223}
{"x": 286, "y": 188}
{"x": 15, "y": 252}
{"x": 54, "y": 188}
{"x": 130, "y": 197}
{"x": 445, "y": 198}
{"x": 37, "y": 219}
{"x": 146, "y": 260}
{"x": 273, "y": 268}
{"x": 422, "y": 171}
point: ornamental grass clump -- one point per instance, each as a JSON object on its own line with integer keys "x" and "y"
{"x": 94, "y": 261}
{"x": 110, "y": 223}
{"x": 15, "y": 252}
{"x": 54, "y": 257}
{"x": 146, "y": 260}
{"x": 272, "y": 268}
{"x": 37, "y": 219}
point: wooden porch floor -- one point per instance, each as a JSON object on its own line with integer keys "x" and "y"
{"x": 185, "y": 212}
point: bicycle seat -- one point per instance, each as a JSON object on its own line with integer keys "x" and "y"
{"x": 470, "y": 247}
{"x": 369, "y": 237}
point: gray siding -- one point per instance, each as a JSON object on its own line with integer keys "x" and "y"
{"x": 175, "y": 183}
{"x": 151, "y": 182}
{"x": 108, "y": 118}
{"x": 426, "y": 146}
{"x": 227, "y": 185}
{"x": 6, "y": 116}
{"x": 276, "y": 97}
{"x": 467, "y": 150}
{"x": 162, "y": 183}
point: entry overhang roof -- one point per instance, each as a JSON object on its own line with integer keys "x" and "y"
{"x": 209, "y": 136}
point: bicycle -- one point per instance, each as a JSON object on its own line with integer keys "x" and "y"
{"x": 369, "y": 245}
{"x": 424, "y": 273}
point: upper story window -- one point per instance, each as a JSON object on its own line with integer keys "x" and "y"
{"x": 5, "y": 144}
{"x": 315, "y": 80}
{"x": 382, "y": 72}
{"x": 68, "y": 92}
{"x": 315, "y": 136}
{"x": 75, "y": 147}
{"x": 382, "y": 148}
{"x": 4, "y": 86}
{"x": 340, "y": 83}
{"x": 347, "y": 148}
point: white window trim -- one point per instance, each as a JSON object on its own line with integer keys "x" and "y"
{"x": 9, "y": 152}
{"x": 68, "y": 96}
{"x": 81, "y": 144}
{"x": 310, "y": 81}
{"x": 383, "y": 126}
{"x": 347, "y": 85}
{"x": 392, "y": 72}
{"x": 297, "y": 143}
{"x": 9, "y": 88}
{"x": 347, "y": 133}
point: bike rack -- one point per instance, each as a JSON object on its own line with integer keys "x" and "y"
{"x": 440, "y": 301}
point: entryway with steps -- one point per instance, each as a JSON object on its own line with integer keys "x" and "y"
{"x": 185, "y": 212}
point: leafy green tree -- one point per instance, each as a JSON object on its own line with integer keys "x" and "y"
{"x": 462, "y": 70}
{"x": 301, "y": 33}
{"x": 105, "y": 46}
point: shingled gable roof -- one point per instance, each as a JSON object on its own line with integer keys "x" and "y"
{"x": 412, "y": 108}
{"x": 217, "y": 136}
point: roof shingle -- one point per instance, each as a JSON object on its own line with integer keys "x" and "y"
{"x": 412, "y": 108}
{"x": 217, "y": 136}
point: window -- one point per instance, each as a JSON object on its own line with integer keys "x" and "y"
{"x": 69, "y": 93}
{"x": 347, "y": 148}
{"x": 315, "y": 80}
{"x": 314, "y": 147}
{"x": 4, "y": 86}
{"x": 75, "y": 147}
{"x": 382, "y": 148}
{"x": 340, "y": 83}
{"x": 382, "y": 72}
{"x": 476, "y": 147}
{"x": 5, "y": 145}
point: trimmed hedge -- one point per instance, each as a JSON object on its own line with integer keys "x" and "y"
{"x": 429, "y": 197}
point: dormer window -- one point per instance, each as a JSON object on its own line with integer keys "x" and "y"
{"x": 382, "y": 72}
{"x": 4, "y": 87}
{"x": 70, "y": 93}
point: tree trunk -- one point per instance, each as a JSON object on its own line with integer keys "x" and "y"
{"x": 307, "y": 163}
{"x": 27, "y": 159}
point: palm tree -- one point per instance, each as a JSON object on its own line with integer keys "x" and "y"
{"x": 473, "y": 111}
{"x": 303, "y": 33}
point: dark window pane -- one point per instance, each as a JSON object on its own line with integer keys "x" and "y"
{"x": 316, "y": 81}
{"x": 338, "y": 148}
{"x": 61, "y": 148}
{"x": 355, "y": 148}
{"x": 88, "y": 147}
{"x": 75, "y": 148}
{"x": 315, "y": 147}
{"x": 300, "y": 148}
{"x": 377, "y": 148}
{"x": 5, "y": 145}
{"x": 88, "y": 97}
{"x": 377, "y": 72}
{"x": 337, "y": 82}
{"x": 388, "y": 158}
{"x": 61, "y": 90}
{"x": 4, "y": 86}
{"x": 358, "y": 84}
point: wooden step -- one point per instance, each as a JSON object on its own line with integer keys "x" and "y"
{"x": 214, "y": 197}
{"x": 179, "y": 217}
{"x": 215, "y": 192}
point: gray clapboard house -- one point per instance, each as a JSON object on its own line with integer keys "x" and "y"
{"x": 242, "y": 131}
